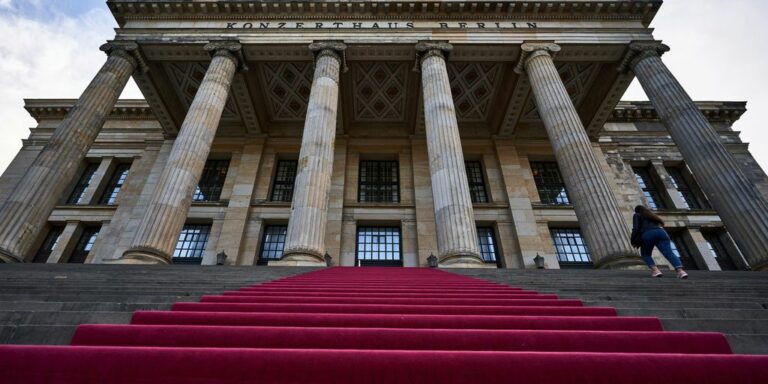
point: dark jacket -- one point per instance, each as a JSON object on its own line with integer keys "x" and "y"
{"x": 641, "y": 225}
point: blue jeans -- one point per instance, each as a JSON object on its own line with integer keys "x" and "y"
{"x": 658, "y": 238}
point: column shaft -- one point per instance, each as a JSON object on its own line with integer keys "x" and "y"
{"x": 305, "y": 238}
{"x": 600, "y": 220}
{"x": 159, "y": 229}
{"x": 454, "y": 216}
{"x": 26, "y": 210}
{"x": 742, "y": 208}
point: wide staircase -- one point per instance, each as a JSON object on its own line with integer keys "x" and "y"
{"x": 380, "y": 325}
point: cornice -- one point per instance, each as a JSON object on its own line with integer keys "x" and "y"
{"x": 128, "y": 109}
{"x": 125, "y": 10}
{"x": 714, "y": 111}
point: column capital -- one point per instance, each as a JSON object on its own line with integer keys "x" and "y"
{"x": 231, "y": 49}
{"x": 640, "y": 50}
{"x": 533, "y": 49}
{"x": 128, "y": 50}
{"x": 335, "y": 49}
{"x": 427, "y": 49}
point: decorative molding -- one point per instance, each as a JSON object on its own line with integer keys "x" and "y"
{"x": 533, "y": 49}
{"x": 245, "y": 103}
{"x": 714, "y": 111}
{"x": 608, "y": 104}
{"x": 379, "y": 90}
{"x": 186, "y": 78}
{"x": 41, "y": 109}
{"x": 287, "y": 86}
{"x": 125, "y": 10}
{"x": 150, "y": 92}
{"x": 473, "y": 86}
{"x": 515, "y": 107}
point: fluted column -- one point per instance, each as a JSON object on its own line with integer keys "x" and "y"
{"x": 159, "y": 229}
{"x": 601, "y": 222}
{"x": 26, "y": 211}
{"x": 305, "y": 239}
{"x": 742, "y": 208}
{"x": 454, "y": 217}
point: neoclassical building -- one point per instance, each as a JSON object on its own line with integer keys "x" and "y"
{"x": 472, "y": 134}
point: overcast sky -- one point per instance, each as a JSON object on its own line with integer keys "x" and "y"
{"x": 49, "y": 49}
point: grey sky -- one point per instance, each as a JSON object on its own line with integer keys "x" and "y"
{"x": 49, "y": 49}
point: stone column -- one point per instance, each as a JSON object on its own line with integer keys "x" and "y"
{"x": 456, "y": 231}
{"x": 305, "y": 239}
{"x": 600, "y": 219}
{"x": 739, "y": 203}
{"x": 25, "y": 212}
{"x": 160, "y": 226}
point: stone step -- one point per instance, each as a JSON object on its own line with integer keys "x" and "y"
{"x": 36, "y": 334}
{"x": 674, "y": 304}
{"x": 63, "y": 317}
{"x": 748, "y": 343}
{"x": 696, "y": 313}
{"x": 80, "y": 306}
{"x": 759, "y": 326}
{"x": 123, "y": 298}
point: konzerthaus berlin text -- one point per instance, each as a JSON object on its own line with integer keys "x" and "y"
{"x": 462, "y": 133}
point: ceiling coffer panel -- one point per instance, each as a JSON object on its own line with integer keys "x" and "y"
{"x": 379, "y": 91}
{"x": 577, "y": 78}
{"x": 473, "y": 86}
{"x": 287, "y": 86}
{"x": 186, "y": 78}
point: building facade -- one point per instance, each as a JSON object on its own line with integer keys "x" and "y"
{"x": 484, "y": 134}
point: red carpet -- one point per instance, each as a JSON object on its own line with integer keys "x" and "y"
{"x": 382, "y": 325}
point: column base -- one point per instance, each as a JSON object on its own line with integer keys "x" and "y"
{"x": 630, "y": 261}
{"x": 298, "y": 260}
{"x": 140, "y": 256}
{"x": 463, "y": 261}
{"x": 7, "y": 257}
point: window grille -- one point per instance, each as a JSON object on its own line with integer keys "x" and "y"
{"x": 684, "y": 189}
{"x": 285, "y": 177}
{"x": 272, "y": 243}
{"x": 570, "y": 247}
{"x": 84, "y": 245}
{"x": 650, "y": 191}
{"x": 476, "y": 181}
{"x": 191, "y": 244}
{"x": 76, "y": 197}
{"x": 212, "y": 181}
{"x": 549, "y": 183}
{"x": 378, "y": 246}
{"x": 49, "y": 244}
{"x": 486, "y": 240}
{"x": 379, "y": 181}
{"x": 115, "y": 184}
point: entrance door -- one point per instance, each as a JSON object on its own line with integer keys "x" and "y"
{"x": 378, "y": 246}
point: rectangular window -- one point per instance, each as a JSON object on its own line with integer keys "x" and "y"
{"x": 285, "y": 177}
{"x": 476, "y": 181}
{"x": 570, "y": 247}
{"x": 212, "y": 181}
{"x": 680, "y": 249}
{"x": 82, "y": 184}
{"x": 191, "y": 244}
{"x": 379, "y": 182}
{"x": 719, "y": 251}
{"x": 84, "y": 245}
{"x": 651, "y": 193}
{"x": 684, "y": 189}
{"x": 486, "y": 239}
{"x": 378, "y": 246}
{"x": 272, "y": 244}
{"x": 49, "y": 244}
{"x": 550, "y": 184}
{"x": 115, "y": 184}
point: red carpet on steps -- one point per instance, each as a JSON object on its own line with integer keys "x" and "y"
{"x": 382, "y": 325}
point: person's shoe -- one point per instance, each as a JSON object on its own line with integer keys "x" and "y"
{"x": 655, "y": 272}
{"x": 681, "y": 274}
